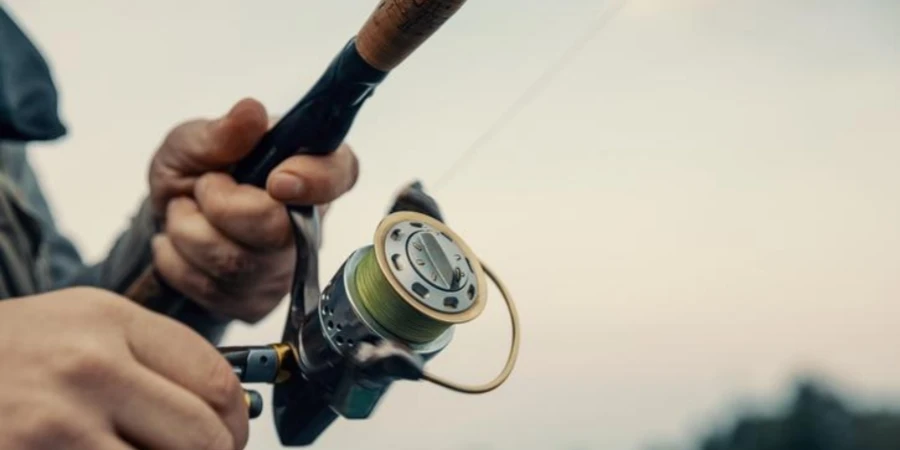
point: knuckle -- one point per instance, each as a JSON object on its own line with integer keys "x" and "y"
{"x": 214, "y": 205}
{"x": 104, "y": 304}
{"x": 275, "y": 231}
{"x": 218, "y": 211}
{"x": 47, "y": 427}
{"x": 207, "y": 288}
{"x": 85, "y": 363}
{"x": 224, "y": 386}
{"x": 64, "y": 429}
{"x": 231, "y": 263}
{"x": 172, "y": 227}
{"x": 176, "y": 209}
{"x": 324, "y": 186}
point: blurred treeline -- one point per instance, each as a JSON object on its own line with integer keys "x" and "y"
{"x": 816, "y": 419}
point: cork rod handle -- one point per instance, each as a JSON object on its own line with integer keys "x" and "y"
{"x": 398, "y": 27}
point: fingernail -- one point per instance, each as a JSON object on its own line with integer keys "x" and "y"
{"x": 286, "y": 186}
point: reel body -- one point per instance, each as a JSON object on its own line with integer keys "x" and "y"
{"x": 390, "y": 308}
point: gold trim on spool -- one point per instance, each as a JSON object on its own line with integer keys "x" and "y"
{"x": 381, "y": 236}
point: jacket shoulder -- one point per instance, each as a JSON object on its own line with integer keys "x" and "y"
{"x": 29, "y": 103}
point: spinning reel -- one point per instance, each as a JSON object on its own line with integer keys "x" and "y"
{"x": 390, "y": 308}
{"x": 393, "y": 305}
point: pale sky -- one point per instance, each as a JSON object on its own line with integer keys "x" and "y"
{"x": 702, "y": 205}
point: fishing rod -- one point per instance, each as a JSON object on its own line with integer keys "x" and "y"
{"x": 394, "y": 304}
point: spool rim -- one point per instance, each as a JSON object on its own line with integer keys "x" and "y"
{"x": 381, "y": 234}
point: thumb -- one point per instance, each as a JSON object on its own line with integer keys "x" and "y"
{"x": 195, "y": 147}
{"x": 234, "y": 135}
{"x": 199, "y": 146}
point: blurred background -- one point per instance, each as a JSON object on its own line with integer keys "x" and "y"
{"x": 701, "y": 207}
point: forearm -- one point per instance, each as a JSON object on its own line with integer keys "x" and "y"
{"x": 128, "y": 259}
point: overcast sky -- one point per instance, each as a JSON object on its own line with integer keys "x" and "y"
{"x": 702, "y": 205}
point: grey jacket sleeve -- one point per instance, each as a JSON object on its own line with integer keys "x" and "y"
{"x": 126, "y": 260}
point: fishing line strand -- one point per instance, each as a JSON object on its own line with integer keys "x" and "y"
{"x": 530, "y": 93}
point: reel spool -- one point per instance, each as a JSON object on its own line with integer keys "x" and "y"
{"x": 412, "y": 286}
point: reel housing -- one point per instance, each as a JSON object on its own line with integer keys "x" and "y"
{"x": 392, "y": 306}
{"x": 389, "y": 308}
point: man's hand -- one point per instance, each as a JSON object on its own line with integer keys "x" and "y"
{"x": 85, "y": 369}
{"x": 230, "y": 247}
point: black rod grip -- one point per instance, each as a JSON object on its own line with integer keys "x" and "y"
{"x": 319, "y": 122}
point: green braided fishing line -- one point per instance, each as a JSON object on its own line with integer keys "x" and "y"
{"x": 388, "y": 308}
